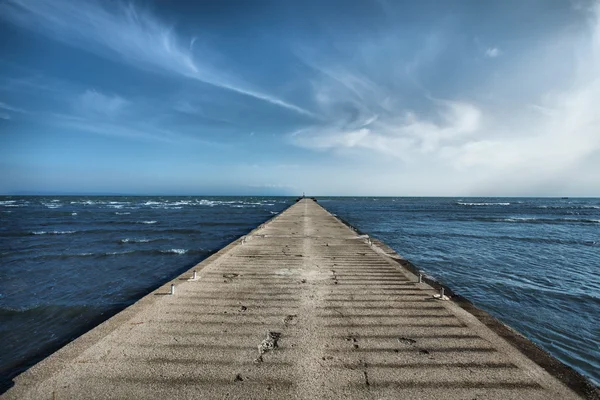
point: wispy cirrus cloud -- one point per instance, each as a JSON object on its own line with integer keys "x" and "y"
{"x": 8, "y": 107}
{"x": 6, "y": 111}
{"x": 131, "y": 35}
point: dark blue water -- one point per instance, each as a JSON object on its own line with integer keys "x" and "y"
{"x": 532, "y": 263}
{"x": 67, "y": 263}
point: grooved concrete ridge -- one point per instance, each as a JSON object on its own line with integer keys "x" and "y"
{"x": 345, "y": 321}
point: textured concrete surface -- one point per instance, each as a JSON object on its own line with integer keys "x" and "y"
{"x": 303, "y": 307}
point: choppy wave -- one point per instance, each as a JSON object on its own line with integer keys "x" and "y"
{"x": 532, "y": 220}
{"x": 85, "y": 202}
{"x": 152, "y": 203}
{"x": 181, "y": 203}
{"x": 148, "y": 252}
{"x": 148, "y": 222}
{"x": 112, "y": 253}
{"x": 206, "y": 202}
{"x": 481, "y": 204}
{"x": 143, "y": 240}
{"x": 14, "y": 203}
{"x": 544, "y": 240}
{"x": 44, "y": 309}
{"x": 528, "y": 220}
{"x": 128, "y": 240}
{"x": 574, "y": 207}
{"x": 52, "y": 232}
{"x": 175, "y": 251}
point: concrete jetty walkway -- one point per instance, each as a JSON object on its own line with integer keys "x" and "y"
{"x": 302, "y": 308}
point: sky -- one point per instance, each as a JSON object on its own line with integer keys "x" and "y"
{"x": 373, "y": 98}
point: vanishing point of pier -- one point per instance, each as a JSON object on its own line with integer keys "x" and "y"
{"x": 303, "y": 307}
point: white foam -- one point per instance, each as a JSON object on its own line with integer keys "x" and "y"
{"x": 122, "y": 213}
{"x": 482, "y": 204}
{"x": 127, "y": 240}
{"x": 517, "y": 219}
{"x": 204, "y": 202}
{"x": 180, "y": 203}
{"x": 53, "y": 232}
{"x": 148, "y": 222}
{"x": 174, "y": 251}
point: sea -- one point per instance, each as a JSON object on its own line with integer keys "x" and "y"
{"x": 67, "y": 263}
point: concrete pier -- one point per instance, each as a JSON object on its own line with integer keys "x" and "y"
{"x": 303, "y": 307}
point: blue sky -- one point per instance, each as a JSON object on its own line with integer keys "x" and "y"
{"x": 280, "y": 97}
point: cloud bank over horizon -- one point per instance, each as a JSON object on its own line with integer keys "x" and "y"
{"x": 265, "y": 97}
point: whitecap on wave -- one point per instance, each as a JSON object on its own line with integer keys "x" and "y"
{"x": 52, "y": 205}
{"x": 180, "y": 203}
{"x": 128, "y": 240}
{"x": 209, "y": 203}
{"x": 482, "y": 204}
{"x": 6, "y": 202}
{"x": 174, "y": 251}
{"x": 52, "y": 232}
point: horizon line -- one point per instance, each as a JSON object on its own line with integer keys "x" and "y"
{"x": 116, "y": 194}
